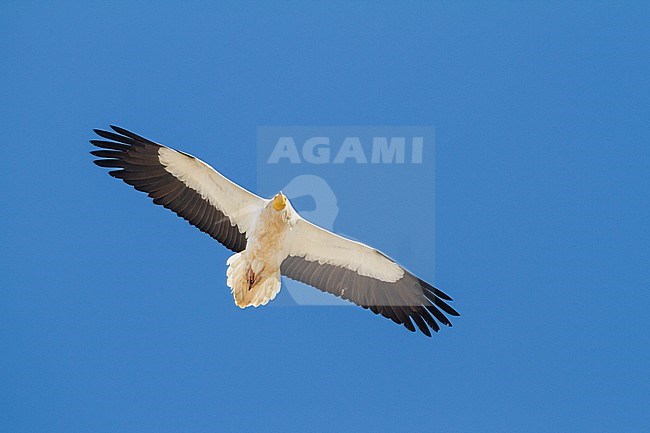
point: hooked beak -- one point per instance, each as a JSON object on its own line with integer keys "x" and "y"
{"x": 279, "y": 202}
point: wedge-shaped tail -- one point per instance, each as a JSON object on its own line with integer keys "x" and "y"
{"x": 245, "y": 288}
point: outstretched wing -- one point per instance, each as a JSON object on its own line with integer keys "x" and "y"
{"x": 361, "y": 274}
{"x": 182, "y": 183}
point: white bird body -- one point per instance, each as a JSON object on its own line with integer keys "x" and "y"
{"x": 253, "y": 275}
{"x": 268, "y": 236}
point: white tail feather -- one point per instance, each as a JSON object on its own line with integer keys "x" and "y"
{"x": 262, "y": 291}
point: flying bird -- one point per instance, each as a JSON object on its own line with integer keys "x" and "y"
{"x": 268, "y": 237}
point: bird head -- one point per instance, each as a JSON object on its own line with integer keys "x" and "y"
{"x": 279, "y": 202}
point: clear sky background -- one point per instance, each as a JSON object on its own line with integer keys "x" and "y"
{"x": 114, "y": 316}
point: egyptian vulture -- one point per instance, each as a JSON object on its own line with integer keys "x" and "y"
{"x": 268, "y": 236}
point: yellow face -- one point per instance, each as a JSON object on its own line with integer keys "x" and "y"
{"x": 279, "y": 202}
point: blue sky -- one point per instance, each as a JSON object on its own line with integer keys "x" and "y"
{"x": 114, "y": 313}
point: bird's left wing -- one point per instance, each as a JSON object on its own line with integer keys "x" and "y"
{"x": 182, "y": 183}
{"x": 361, "y": 274}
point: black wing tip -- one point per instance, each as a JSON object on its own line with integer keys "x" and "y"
{"x": 438, "y": 298}
{"x": 108, "y": 135}
{"x": 423, "y": 320}
{"x": 424, "y": 328}
{"x": 132, "y": 136}
{"x": 446, "y": 308}
{"x": 408, "y": 325}
{"x": 121, "y": 135}
{"x": 119, "y": 129}
{"x": 99, "y": 132}
{"x": 442, "y": 295}
{"x": 109, "y": 163}
{"x": 112, "y": 126}
{"x": 111, "y": 151}
{"x": 102, "y": 153}
{"x": 439, "y": 293}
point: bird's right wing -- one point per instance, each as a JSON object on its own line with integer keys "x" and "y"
{"x": 363, "y": 275}
{"x": 182, "y": 183}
